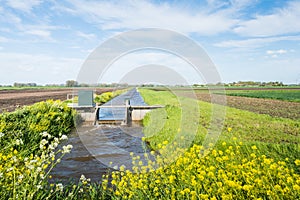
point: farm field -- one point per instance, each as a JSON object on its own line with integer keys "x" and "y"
{"x": 280, "y": 94}
{"x": 272, "y": 107}
{"x": 252, "y": 150}
{"x": 14, "y": 98}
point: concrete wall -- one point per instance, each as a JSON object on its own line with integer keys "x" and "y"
{"x": 137, "y": 115}
{"x": 88, "y": 117}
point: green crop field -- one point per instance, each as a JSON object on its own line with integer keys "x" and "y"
{"x": 284, "y": 94}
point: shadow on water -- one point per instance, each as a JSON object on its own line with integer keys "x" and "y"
{"x": 95, "y": 147}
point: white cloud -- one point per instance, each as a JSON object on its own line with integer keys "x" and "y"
{"x": 7, "y": 17}
{"x": 255, "y": 42}
{"x": 40, "y": 33}
{"x": 280, "y": 51}
{"x": 276, "y": 53}
{"x": 143, "y": 14}
{"x": 4, "y": 39}
{"x": 281, "y": 21}
{"x": 24, "y": 6}
{"x": 88, "y": 36}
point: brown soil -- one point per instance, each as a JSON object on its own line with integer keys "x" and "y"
{"x": 12, "y": 99}
{"x": 275, "y": 108}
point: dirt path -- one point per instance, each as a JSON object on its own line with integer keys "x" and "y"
{"x": 275, "y": 108}
{"x": 12, "y": 99}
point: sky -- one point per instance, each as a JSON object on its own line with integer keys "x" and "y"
{"x": 47, "y": 42}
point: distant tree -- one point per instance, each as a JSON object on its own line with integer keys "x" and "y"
{"x": 84, "y": 85}
{"x": 71, "y": 83}
{"x": 25, "y": 84}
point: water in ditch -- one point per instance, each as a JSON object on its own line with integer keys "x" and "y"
{"x": 97, "y": 150}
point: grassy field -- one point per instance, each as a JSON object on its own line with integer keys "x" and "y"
{"x": 272, "y": 107}
{"x": 249, "y": 149}
{"x": 286, "y": 95}
{"x": 246, "y": 126}
{"x": 255, "y": 157}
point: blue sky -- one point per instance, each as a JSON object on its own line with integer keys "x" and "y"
{"x": 48, "y": 41}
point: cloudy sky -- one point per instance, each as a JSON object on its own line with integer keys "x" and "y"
{"x": 47, "y": 41}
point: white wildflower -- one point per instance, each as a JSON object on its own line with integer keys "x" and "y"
{"x": 59, "y": 186}
{"x": 82, "y": 178}
{"x": 64, "y": 137}
{"x": 44, "y": 134}
{"x": 42, "y": 176}
{"x": 33, "y": 161}
{"x": 10, "y": 169}
{"x": 56, "y": 140}
{"x": 30, "y": 167}
{"x": 38, "y": 169}
{"x": 67, "y": 149}
{"x": 14, "y": 158}
{"x": 51, "y": 155}
{"x": 1, "y": 134}
{"x": 43, "y": 143}
{"x": 51, "y": 147}
{"x": 39, "y": 187}
{"x": 19, "y": 142}
{"x": 20, "y": 177}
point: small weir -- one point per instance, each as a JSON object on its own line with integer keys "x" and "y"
{"x": 95, "y": 147}
{"x": 124, "y": 109}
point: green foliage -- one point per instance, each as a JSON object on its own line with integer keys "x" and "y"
{"x": 27, "y": 123}
{"x": 106, "y": 96}
{"x": 29, "y": 138}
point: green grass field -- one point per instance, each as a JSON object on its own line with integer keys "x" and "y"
{"x": 248, "y": 127}
{"x": 285, "y": 94}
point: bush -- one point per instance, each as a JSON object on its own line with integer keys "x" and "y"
{"x": 29, "y": 138}
{"x": 27, "y": 123}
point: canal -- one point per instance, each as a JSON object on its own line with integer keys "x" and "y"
{"x": 97, "y": 149}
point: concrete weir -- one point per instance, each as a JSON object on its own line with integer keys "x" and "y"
{"x": 122, "y": 109}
